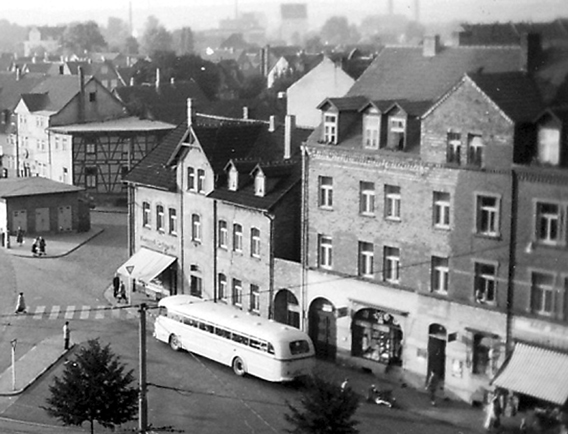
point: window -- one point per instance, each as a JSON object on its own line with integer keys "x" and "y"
{"x": 330, "y": 128}
{"x": 324, "y": 251}
{"x": 92, "y": 96}
{"x": 237, "y": 292}
{"x": 397, "y": 127}
{"x": 91, "y": 148}
{"x": 237, "y": 238}
{"x": 391, "y": 266}
{"x": 200, "y": 180}
{"x": 371, "y": 128}
{"x": 259, "y": 184}
{"x": 474, "y": 150}
{"x": 366, "y": 258}
{"x": 326, "y": 191}
{"x": 160, "y": 217}
{"x": 233, "y": 179}
{"x": 222, "y": 286}
{"x": 146, "y": 214}
{"x": 485, "y": 283}
{"x": 481, "y": 355}
{"x": 549, "y": 223}
{"x": 254, "y": 298}
{"x": 441, "y": 210}
{"x": 91, "y": 177}
{"x": 123, "y": 172}
{"x": 367, "y": 198}
{"x": 172, "y": 221}
{"x": 191, "y": 179}
{"x": 195, "y": 286}
{"x": 543, "y": 294}
{"x": 453, "y": 152}
{"x": 392, "y": 202}
{"x": 487, "y": 215}
{"x": 255, "y": 242}
{"x": 440, "y": 273}
{"x": 196, "y": 228}
{"x": 223, "y": 234}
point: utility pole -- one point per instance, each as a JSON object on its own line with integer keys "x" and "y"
{"x": 14, "y": 342}
{"x": 142, "y": 402}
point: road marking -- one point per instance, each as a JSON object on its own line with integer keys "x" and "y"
{"x": 69, "y": 312}
{"x": 100, "y": 312}
{"x": 85, "y": 312}
{"x": 54, "y": 312}
{"x": 115, "y": 313}
{"x": 39, "y": 312}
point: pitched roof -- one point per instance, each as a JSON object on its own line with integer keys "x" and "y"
{"x": 400, "y": 72}
{"x": 345, "y": 103}
{"x": 35, "y": 101}
{"x": 31, "y": 186}
{"x": 60, "y": 89}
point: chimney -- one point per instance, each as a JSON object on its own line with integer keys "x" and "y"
{"x": 131, "y": 81}
{"x": 189, "y": 112}
{"x": 431, "y": 46}
{"x": 81, "y": 112}
{"x": 289, "y": 128}
{"x": 172, "y": 80}
{"x": 531, "y": 51}
{"x": 245, "y": 112}
{"x": 271, "y": 124}
{"x": 265, "y": 60}
{"x": 157, "y": 78}
{"x": 18, "y": 73}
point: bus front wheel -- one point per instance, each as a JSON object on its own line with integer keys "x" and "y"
{"x": 239, "y": 366}
{"x": 174, "y": 343}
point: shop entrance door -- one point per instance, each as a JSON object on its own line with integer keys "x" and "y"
{"x": 437, "y": 338}
{"x": 322, "y": 328}
{"x": 286, "y": 308}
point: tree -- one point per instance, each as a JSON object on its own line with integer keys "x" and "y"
{"x": 155, "y": 37}
{"x": 336, "y": 30}
{"x": 183, "y": 41}
{"x": 93, "y": 387}
{"x": 83, "y": 37}
{"x": 326, "y": 408}
{"x": 116, "y": 33}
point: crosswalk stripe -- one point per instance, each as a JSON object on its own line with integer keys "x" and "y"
{"x": 100, "y": 313}
{"x": 85, "y": 312}
{"x": 54, "y": 312}
{"x": 39, "y": 312}
{"x": 69, "y": 312}
{"x": 115, "y": 313}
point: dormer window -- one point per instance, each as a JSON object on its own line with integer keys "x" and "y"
{"x": 330, "y": 128}
{"x": 397, "y": 132}
{"x": 259, "y": 184}
{"x": 371, "y": 129}
{"x": 453, "y": 152}
{"x": 474, "y": 150}
{"x": 233, "y": 179}
{"x": 549, "y": 144}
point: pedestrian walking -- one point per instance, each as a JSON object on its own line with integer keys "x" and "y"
{"x": 21, "y": 304}
{"x": 432, "y": 383}
{"x": 20, "y": 236}
{"x": 493, "y": 413}
{"x": 35, "y": 247}
{"x": 66, "y": 335}
{"x": 122, "y": 293}
{"x": 345, "y": 384}
{"x": 115, "y": 285}
{"x": 41, "y": 246}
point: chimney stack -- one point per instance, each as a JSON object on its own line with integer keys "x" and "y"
{"x": 81, "y": 113}
{"x": 157, "y": 78}
{"x": 189, "y": 112}
{"x": 289, "y": 128}
{"x": 131, "y": 81}
{"x": 245, "y": 112}
{"x": 531, "y": 51}
{"x": 18, "y": 73}
{"x": 431, "y": 46}
{"x": 272, "y": 123}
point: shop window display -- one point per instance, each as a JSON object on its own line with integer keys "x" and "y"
{"x": 377, "y": 336}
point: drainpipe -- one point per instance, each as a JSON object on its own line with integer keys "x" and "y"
{"x": 215, "y": 229}
{"x": 304, "y": 238}
{"x": 512, "y": 261}
{"x": 271, "y": 268}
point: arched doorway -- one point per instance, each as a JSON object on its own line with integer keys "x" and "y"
{"x": 286, "y": 308}
{"x": 323, "y": 329}
{"x": 377, "y": 336}
{"x": 437, "y": 338}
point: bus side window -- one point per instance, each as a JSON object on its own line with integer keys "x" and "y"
{"x": 222, "y": 332}
{"x": 299, "y": 347}
{"x": 240, "y": 339}
{"x": 270, "y": 348}
{"x": 255, "y": 344}
{"x": 206, "y": 327}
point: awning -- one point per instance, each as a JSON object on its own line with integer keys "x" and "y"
{"x": 378, "y": 307}
{"x": 145, "y": 265}
{"x": 536, "y": 372}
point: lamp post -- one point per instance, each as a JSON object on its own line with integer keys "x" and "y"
{"x": 14, "y": 342}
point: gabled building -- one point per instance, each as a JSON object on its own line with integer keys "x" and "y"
{"x": 43, "y": 40}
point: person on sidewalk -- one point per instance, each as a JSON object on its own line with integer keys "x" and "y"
{"x": 122, "y": 293}
{"x": 41, "y": 246}
{"x": 35, "y": 247}
{"x": 432, "y": 383}
{"x": 115, "y": 285}
{"x": 493, "y": 413}
{"x": 20, "y": 236}
{"x": 21, "y": 304}
{"x": 345, "y": 384}
{"x": 66, "y": 335}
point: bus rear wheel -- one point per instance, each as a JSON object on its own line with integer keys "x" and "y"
{"x": 175, "y": 343}
{"x": 239, "y": 366}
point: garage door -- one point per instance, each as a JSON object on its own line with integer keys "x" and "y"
{"x": 42, "y": 219}
{"x": 64, "y": 218}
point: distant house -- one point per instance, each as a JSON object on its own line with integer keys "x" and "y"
{"x": 39, "y": 205}
{"x": 43, "y": 39}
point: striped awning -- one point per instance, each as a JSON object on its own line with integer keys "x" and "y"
{"x": 145, "y": 265}
{"x": 536, "y": 372}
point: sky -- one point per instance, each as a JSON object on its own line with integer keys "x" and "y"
{"x": 205, "y": 14}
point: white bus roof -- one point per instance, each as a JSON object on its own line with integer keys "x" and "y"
{"x": 231, "y": 318}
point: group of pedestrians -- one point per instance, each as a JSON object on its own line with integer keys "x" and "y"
{"x": 38, "y": 247}
{"x": 119, "y": 289}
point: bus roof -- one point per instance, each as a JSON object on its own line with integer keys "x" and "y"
{"x": 231, "y": 318}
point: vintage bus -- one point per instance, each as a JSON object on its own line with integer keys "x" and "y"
{"x": 248, "y": 343}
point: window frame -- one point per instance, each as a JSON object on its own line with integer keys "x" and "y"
{"x": 371, "y": 130}
{"x": 491, "y": 227}
{"x": 91, "y": 180}
{"x": 237, "y": 238}
{"x": 330, "y": 127}
{"x": 549, "y": 218}
{"x": 196, "y": 286}
{"x": 453, "y": 148}
{"x": 393, "y": 203}
{"x": 366, "y": 259}
{"x": 545, "y": 290}
{"x": 222, "y": 286}
{"x": 160, "y": 218}
{"x": 484, "y": 281}
{"x": 196, "y": 229}
{"x": 201, "y": 181}
{"x": 325, "y": 192}
{"x": 255, "y": 242}
{"x": 191, "y": 179}
{"x": 391, "y": 264}
{"x": 172, "y": 221}
{"x": 440, "y": 275}
{"x": 367, "y": 196}
{"x": 223, "y": 234}
{"x": 237, "y": 292}
{"x": 475, "y": 150}
{"x": 325, "y": 251}
{"x": 254, "y": 299}
{"x": 146, "y": 214}
{"x": 441, "y": 205}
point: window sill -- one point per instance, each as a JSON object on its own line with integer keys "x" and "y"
{"x": 442, "y": 228}
{"x": 255, "y": 257}
{"x": 367, "y": 214}
{"x": 393, "y": 219}
{"x": 496, "y": 237}
{"x": 325, "y": 208}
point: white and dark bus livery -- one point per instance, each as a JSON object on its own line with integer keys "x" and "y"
{"x": 248, "y": 343}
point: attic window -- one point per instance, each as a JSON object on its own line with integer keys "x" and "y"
{"x": 397, "y": 130}
{"x": 259, "y": 184}
{"x": 548, "y": 140}
{"x": 371, "y": 128}
{"x": 92, "y": 96}
{"x": 233, "y": 179}
{"x": 330, "y": 128}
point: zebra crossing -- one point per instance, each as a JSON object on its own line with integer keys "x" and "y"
{"x": 82, "y": 312}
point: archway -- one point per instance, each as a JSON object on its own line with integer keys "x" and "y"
{"x": 377, "y": 336}
{"x": 286, "y": 308}
{"x": 437, "y": 338}
{"x": 323, "y": 329}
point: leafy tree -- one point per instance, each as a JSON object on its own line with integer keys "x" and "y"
{"x": 83, "y": 37}
{"x": 131, "y": 46}
{"x": 93, "y": 387}
{"x": 326, "y": 408}
{"x": 183, "y": 41}
{"x": 155, "y": 37}
{"x": 116, "y": 33}
{"x": 336, "y": 30}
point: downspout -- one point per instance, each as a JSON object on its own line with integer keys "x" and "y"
{"x": 271, "y": 268}
{"x": 304, "y": 238}
{"x": 181, "y": 271}
{"x": 215, "y": 229}
{"x": 512, "y": 261}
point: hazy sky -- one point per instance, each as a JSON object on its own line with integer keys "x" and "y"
{"x": 205, "y": 14}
